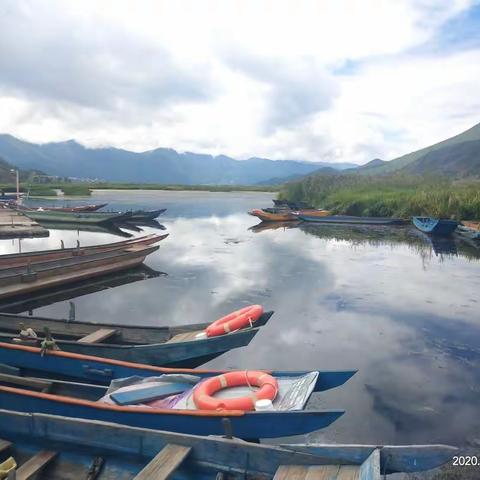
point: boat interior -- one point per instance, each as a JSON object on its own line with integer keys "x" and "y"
{"x": 73, "y": 331}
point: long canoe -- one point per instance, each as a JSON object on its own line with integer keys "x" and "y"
{"x": 76, "y": 217}
{"x": 73, "y": 290}
{"x": 25, "y": 258}
{"x": 348, "y": 219}
{"x": 175, "y": 346}
{"x": 25, "y": 279}
{"x": 62, "y": 448}
{"x": 58, "y": 447}
{"x": 77, "y": 208}
{"x": 178, "y": 414}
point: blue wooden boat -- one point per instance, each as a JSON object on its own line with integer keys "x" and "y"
{"x": 56, "y": 448}
{"x": 435, "y": 226}
{"x": 175, "y": 346}
{"x": 351, "y": 220}
{"x": 89, "y": 401}
{"x": 29, "y": 361}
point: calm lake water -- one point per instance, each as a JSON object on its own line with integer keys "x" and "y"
{"x": 384, "y": 301}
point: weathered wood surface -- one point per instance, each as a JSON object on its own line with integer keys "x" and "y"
{"x": 16, "y": 225}
{"x": 33, "y": 466}
{"x": 165, "y": 463}
{"x": 185, "y": 337}
{"x": 98, "y": 336}
{"x": 324, "y": 472}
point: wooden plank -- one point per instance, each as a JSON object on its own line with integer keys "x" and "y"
{"x": 32, "y": 466}
{"x": 185, "y": 337}
{"x": 98, "y": 336}
{"x": 305, "y": 472}
{"x": 4, "y": 445}
{"x": 324, "y": 472}
{"x": 165, "y": 463}
{"x": 34, "y": 383}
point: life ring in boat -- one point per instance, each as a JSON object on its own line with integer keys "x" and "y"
{"x": 268, "y": 389}
{"x": 234, "y": 321}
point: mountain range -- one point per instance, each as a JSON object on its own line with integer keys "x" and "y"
{"x": 162, "y": 165}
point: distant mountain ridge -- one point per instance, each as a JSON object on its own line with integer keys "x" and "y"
{"x": 457, "y": 157}
{"x": 162, "y": 165}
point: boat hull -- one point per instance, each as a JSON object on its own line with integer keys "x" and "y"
{"x": 435, "y": 226}
{"x": 87, "y": 218}
{"x": 273, "y": 217}
{"x": 189, "y": 354}
{"x": 126, "y": 450}
{"x": 351, "y": 220}
{"x": 19, "y": 259}
{"x": 43, "y": 276}
{"x": 245, "y": 425}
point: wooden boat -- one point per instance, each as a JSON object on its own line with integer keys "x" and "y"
{"x": 73, "y": 290}
{"x": 44, "y": 275}
{"x": 26, "y": 258}
{"x": 56, "y": 448}
{"x": 265, "y": 216}
{"x": 285, "y": 215}
{"x": 435, "y": 226}
{"x": 177, "y": 413}
{"x": 348, "y": 219}
{"x": 175, "y": 346}
{"x": 471, "y": 224}
{"x": 76, "y": 217}
{"x": 315, "y": 213}
{"x": 77, "y": 208}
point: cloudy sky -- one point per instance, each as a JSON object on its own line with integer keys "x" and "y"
{"x": 330, "y": 80}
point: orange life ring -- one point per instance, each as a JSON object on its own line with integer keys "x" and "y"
{"x": 203, "y": 399}
{"x": 234, "y": 321}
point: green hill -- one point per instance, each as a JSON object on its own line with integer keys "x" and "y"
{"x": 400, "y": 163}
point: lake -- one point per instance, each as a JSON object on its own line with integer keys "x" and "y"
{"x": 386, "y": 301}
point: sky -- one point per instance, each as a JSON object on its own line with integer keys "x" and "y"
{"x": 324, "y": 80}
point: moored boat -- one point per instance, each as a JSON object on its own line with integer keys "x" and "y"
{"x": 173, "y": 401}
{"x": 43, "y": 275}
{"x": 349, "y": 219}
{"x": 175, "y": 346}
{"x": 75, "y": 217}
{"x": 77, "y": 208}
{"x": 25, "y": 258}
{"x": 61, "y": 447}
{"x": 435, "y": 226}
{"x": 285, "y": 214}
{"x": 279, "y": 216}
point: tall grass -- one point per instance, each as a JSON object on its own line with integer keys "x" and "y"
{"x": 395, "y": 195}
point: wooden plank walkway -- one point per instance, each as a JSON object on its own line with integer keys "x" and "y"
{"x": 17, "y": 225}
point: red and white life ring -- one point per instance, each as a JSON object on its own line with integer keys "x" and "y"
{"x": 268, "y": 389}
{"x": 235, "y": 320}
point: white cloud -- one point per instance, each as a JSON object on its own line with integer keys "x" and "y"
{"x": 319, "y": 80}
